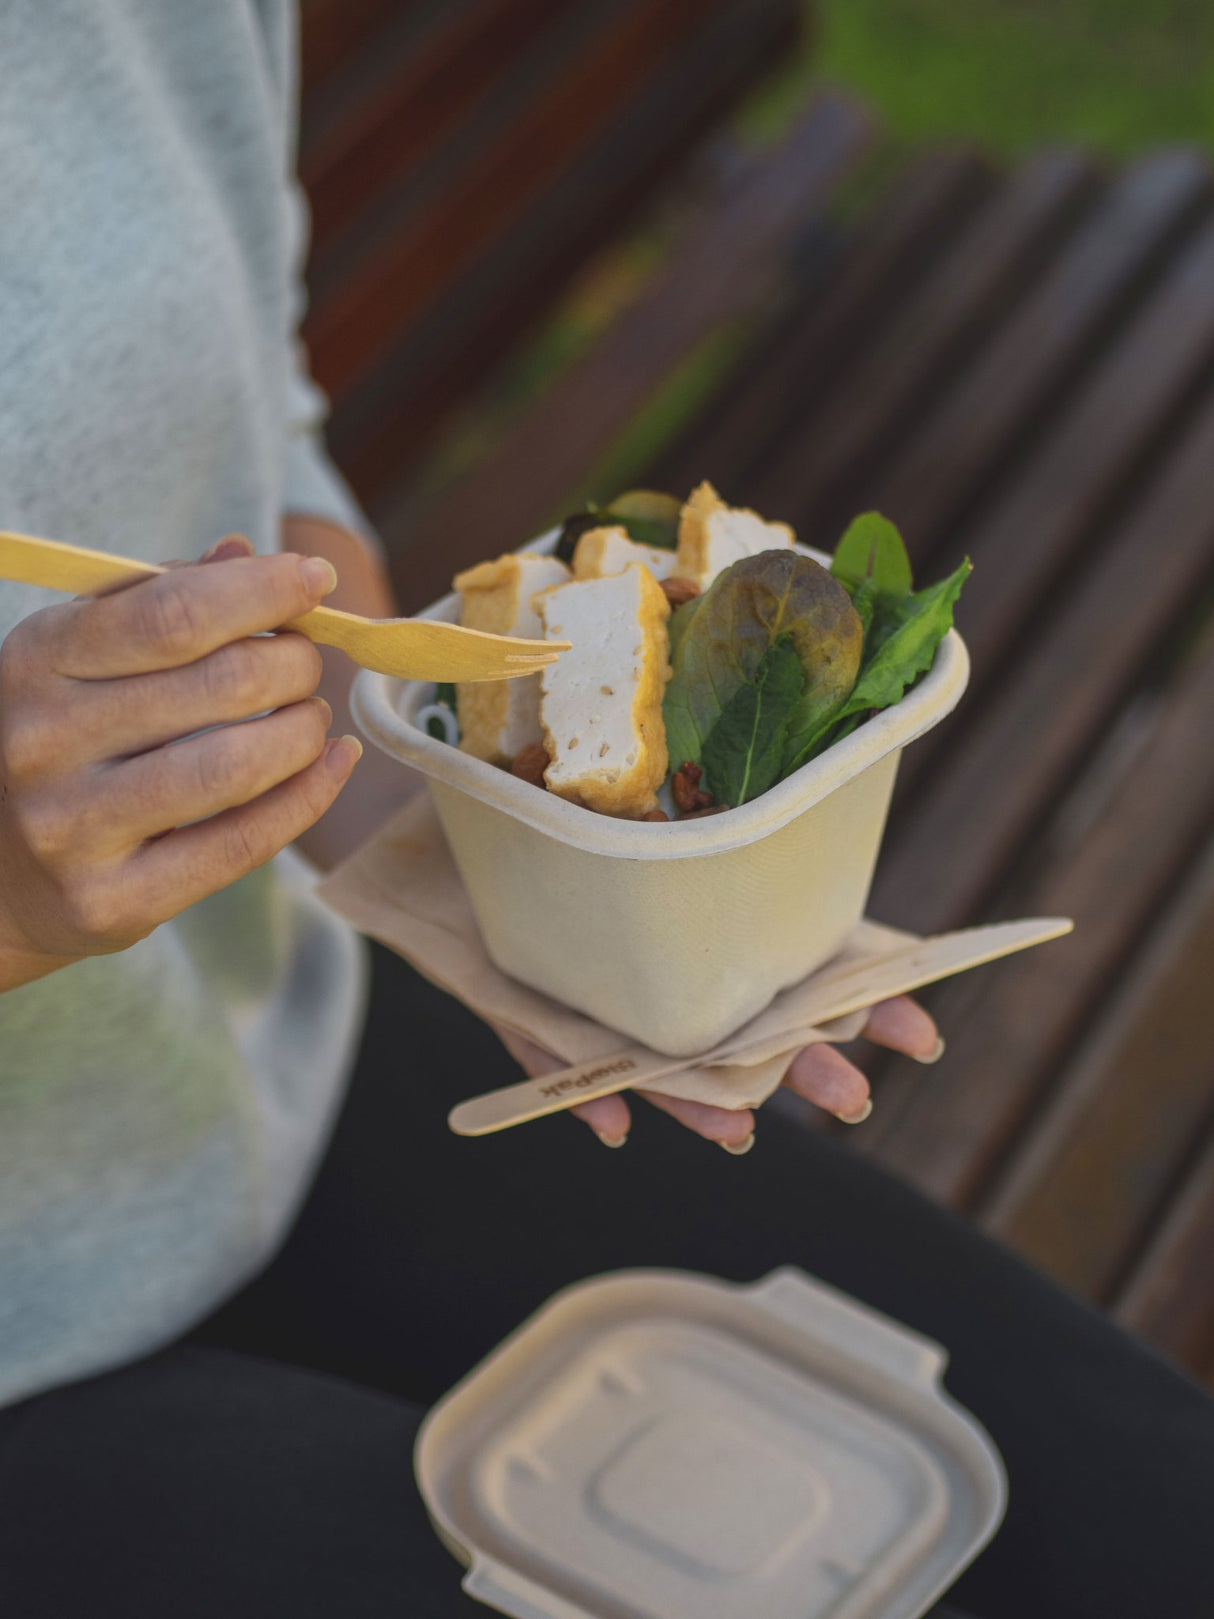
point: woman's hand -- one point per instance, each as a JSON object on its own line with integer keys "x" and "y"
{"x": 110, "y": 822}
{"x": 819, "y": 1073}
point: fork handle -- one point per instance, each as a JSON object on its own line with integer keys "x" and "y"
{"x": 57, "y": 566}
{"x": 67, "y": 567}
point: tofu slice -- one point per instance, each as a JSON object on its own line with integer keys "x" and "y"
{"x": 603, "y": 551}
{"x": 601, "y": 707}
{"x": 713, "y": 535}
{"x": 498, "y": 718}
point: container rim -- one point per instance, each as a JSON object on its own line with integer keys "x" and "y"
{"x": 385, "y": 708}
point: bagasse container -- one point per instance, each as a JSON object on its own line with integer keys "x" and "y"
{"x": 674, "y": 934}
{"x": 660, "y": 1445}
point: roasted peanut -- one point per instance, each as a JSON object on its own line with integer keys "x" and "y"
{"x": 678, "y": 591}
{"x": 685, "y": 788}
{"x": 531, "y": 763}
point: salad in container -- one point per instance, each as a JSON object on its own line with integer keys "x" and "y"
{"x": 680, "y": 817}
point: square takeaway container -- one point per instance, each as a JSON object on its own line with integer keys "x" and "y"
{"x": 673, "y": 933}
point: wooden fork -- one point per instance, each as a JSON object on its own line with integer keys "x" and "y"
{"x": 409, "y": 648}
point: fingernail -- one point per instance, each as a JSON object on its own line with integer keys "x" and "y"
{"x": 612, "y": 1141}
{"x": 337, "y": 759}
{"x": 228, "y": 549}
{"x": 319, "y": 576}
{"x": 738, "y": 1149}
{"x": 326, "y": 711}
{"x": 935, "y": 1054}
{"x": 857, "y": 1118}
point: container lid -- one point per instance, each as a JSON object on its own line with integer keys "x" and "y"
{"x": 387, "y": 710}
{"x": 659, "y": 1445}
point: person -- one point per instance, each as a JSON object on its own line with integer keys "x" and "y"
{"x": 231, "y": 1275}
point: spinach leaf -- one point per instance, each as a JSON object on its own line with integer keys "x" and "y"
{"x": 872, "y": 551}
{"x": 649, "y": 517}
{"x": 818, "y": 708}
{"x": 722, "y": 638}
{"x": 910, "y": 634}
{"x": 642, "y": 530}
{"x": 864, "y": 599}
{"x": 444, "y": 693}
{"x": 743, "y": 752}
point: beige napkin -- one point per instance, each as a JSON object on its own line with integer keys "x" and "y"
{"x": 402, "y": 888}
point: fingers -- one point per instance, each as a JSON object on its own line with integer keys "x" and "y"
{"x": 608, "y": 1116}
{"x": 195, "y": 861}
{"x": 903, "y": 1025}
{"x": 824, "y": 1077}
{"x": 171, "y": 786}
{"x": 181, "y": 616}
{"x": 732, "y": 1130}
{"x": 115, "y": 718}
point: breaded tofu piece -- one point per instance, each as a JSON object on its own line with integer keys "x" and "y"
{"x": 601, "y": 707}
{"x": 713, "y": 535}
{"x": 603, "y": 551}
{"x": 498, "y": 718}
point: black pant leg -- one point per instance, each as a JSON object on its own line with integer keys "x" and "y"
{"x": 205, "y": 1485}
{"x": 418, "y": 1251}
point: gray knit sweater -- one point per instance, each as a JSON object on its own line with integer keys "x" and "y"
{"x": 161, "y": 1109}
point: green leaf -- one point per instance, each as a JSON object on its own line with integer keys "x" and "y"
{"x": 650, "y": 517}
{"x": 722, "y": 637}
{"x": 864, "y": 599}
{"x": 909, "y": 645}
{"x": 811, "y": 719}
{"x": 910, "y": 636}
{"x": 680, "y": 621}
{"x": 639, "y": 527}
{"x": 872, "y": 549}
{"x": 743, "y": 752}
{"x": 643, "y": 530}
{"x": 444, "y": 693}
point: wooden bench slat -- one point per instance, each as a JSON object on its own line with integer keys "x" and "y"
{"x": 333, "y": 32}
{"x": 337, "y": 73}
{"x": 415, "y": 87}
{"x": 897, "y": 244}
{"x": 984, "y": 795}
{"x": 1012, "y": 385}
{"x": 1170, "y": 1298}
{"x": 1103, "y": 1155}
{"x": 546, "y": 454}
{"x": 886, "y": 385}
{"x": 1117, "y": 846}
{"x": 381, "y": 428}
{"x": 561, "y": 115}
{"x": 1031, "y": 528}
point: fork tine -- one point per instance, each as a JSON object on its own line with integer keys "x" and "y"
{"x": 428, "y": 649}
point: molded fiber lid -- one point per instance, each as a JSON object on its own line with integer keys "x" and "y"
{"x": 656, "y": 1445}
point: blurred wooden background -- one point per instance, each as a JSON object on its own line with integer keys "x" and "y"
{"x": 1013, "y": 362}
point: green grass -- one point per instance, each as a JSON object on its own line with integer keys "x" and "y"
{"x": 1009, "y": 76}
{"x": 1112, "y": 75}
